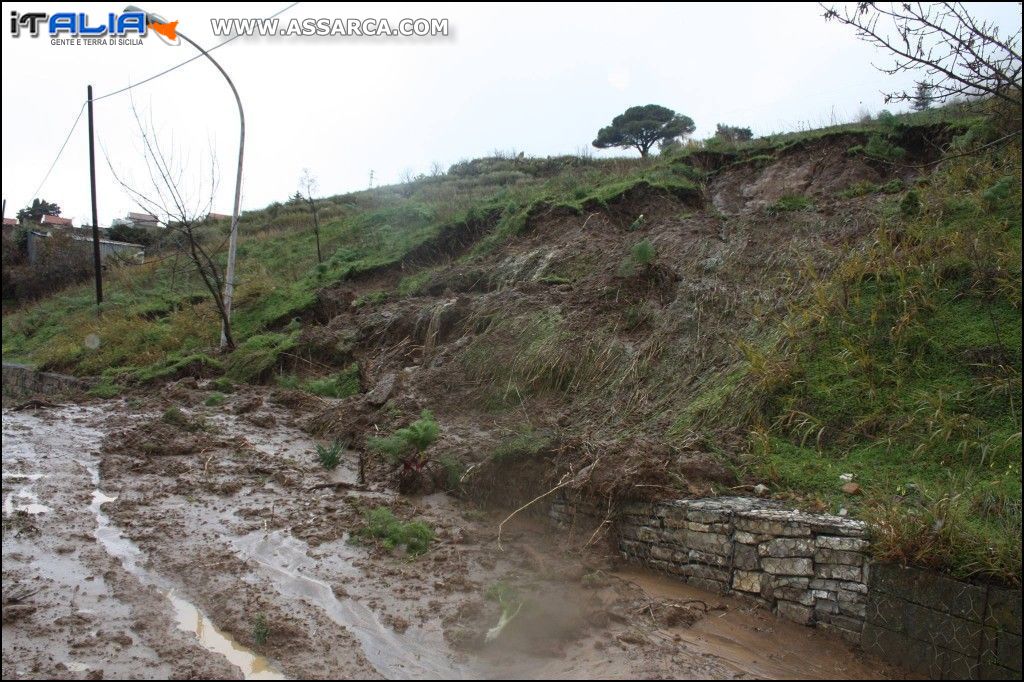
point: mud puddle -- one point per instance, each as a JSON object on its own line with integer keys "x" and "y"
{"x": 751, "y": 641}
{"x": 186, "y": 615}
{"x": 229, "y": 554}
{"x": 285, "y": 560}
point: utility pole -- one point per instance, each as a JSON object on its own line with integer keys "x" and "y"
{"x": 97, "y": 265}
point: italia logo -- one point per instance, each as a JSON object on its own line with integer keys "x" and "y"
{"x": 80, "y": 25}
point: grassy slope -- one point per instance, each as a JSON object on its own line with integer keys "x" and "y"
{"x": 906, "y": 371}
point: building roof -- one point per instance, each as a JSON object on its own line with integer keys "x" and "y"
{"x": 217, "y": 216}
{"x": 10, "y": 222}
{"x": 55, "y": 220}
{"x": 143, "y": 217}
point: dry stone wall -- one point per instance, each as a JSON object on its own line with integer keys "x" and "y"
{"x": 815, "y": 569}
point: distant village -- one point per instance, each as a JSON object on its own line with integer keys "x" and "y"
{"x": 125, "y": 240}
{"x": 44, "y": 251}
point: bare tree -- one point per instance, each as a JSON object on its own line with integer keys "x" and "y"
{"x": 182, "y": 201}
{"x": 958, "y": 55}
{"x": 309, "y": 185}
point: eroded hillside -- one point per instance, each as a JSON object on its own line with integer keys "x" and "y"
{"x": 772, "y": 315}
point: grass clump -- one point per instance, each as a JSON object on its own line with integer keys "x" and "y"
{"x": 329, "y": 455}
{"x": 257, "y": 357}
{"x": 341, "y": 385}
{"x": 223, "y": 384}
{"x": 408, "y": 442}
{"x": 453, "y": 471}
{"x": 215, "y": 399}
{"x": 381, "y": 525}
{"x": 105, "y": 389}
{"x": 641, "y": 257}
{"x": 260, "y": 629}
{"x": 526, "y": 445}
{"x": 790, "y": 204}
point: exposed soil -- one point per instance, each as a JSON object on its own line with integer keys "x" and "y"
{"x": 213, "y": 545}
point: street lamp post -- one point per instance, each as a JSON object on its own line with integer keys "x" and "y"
{"x": 229, "y": 275}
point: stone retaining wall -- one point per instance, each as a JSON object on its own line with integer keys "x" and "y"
{"x": 943, "y": 628}
{"x": 21, "y": 381}
{"x": 814, "y": 569}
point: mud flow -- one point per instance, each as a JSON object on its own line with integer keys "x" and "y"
{"x": 217, "y": 547}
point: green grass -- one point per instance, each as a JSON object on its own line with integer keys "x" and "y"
{"x": 408, "y": 440}
{"x": 341, "y": 385}
{"x": 522, "y": 446}
{"x": 789, "y": 204}
{"x": 382, "y": 525}
{"x": 215, "y": 399}
{"x": 260, "y": 629}
{"x": 908, "y": 375}
{"x": 329, "y": 456}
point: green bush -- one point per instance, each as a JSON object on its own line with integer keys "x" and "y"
{"x": 411, "y": 440}
{"x": 382, "y": 525}
{"x": 879, "y": 147}
{"x": 910, "y": 205}
{"x": 214, "y": 400}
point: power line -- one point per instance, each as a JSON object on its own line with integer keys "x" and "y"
{"x": 187, "y": 61}
{"x": 60, "y": 151}
{"x": 81, "y": 110}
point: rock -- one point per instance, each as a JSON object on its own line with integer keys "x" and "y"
{"x": 790, "y": 567}
{"x": 382, "y": 390}
{"x": 787, "y": 547}
{"x": 747, "y": 581}
{"x": 851, "y": 488}
{"x": 845, "y": 478}
{"x": 841, "y": 543}
{"x": 761, "y": 490}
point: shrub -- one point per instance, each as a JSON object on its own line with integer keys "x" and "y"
{"x": 382, "y": 525}
{"x": 910, "y": 205}
{"x": 216, "y": 399}
{"x": 999, "y": 193}
{"x": 879, "y": 147}
{"x": 643, "y": 253}
{"x": 175, "y": 417}
{"x": 641, "y": 256}
{"x": 408, "y": 442}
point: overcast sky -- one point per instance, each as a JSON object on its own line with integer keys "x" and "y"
{"x": 535, "y": 78}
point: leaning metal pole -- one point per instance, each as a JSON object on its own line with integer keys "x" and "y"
{"x": 229, "y": 275}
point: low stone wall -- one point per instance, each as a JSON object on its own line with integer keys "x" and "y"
{"x": 814, "y": 569}
{"x": 21, "y": 381}
{"x": 943, "y": 628}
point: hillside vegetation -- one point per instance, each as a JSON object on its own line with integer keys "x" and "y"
{"x": 784, "y": 312}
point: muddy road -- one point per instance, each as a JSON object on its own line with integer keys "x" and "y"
{"x": 208, "y": 543}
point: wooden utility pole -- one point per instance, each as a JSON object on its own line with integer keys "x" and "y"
{"x": 96, "y": 261}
